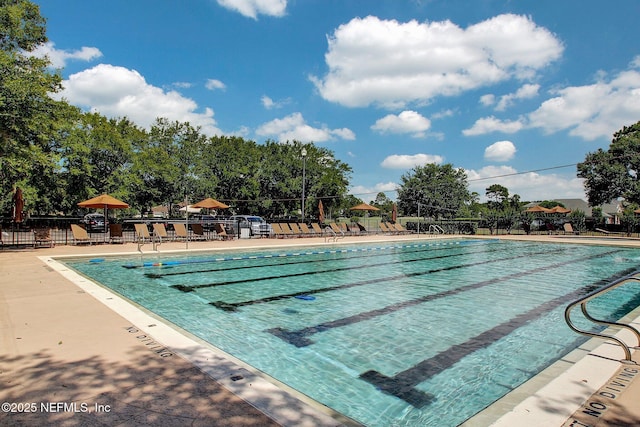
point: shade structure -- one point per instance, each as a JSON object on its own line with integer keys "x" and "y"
{"x": 18, "y": 205}
{"x": 538, "y": 209}
{"x": 560, "y": 210}
{"x": 320, "y": 212}
{"x": 394, "y": 213}
{"x": 210, "y": 203}
{"x": 190, "y": 209}
{"x": 106, "y": 202}
{"x": 363, "y": 207}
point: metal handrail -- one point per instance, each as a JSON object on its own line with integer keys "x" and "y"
{"x": 335, "y": 235}
{"x": 435, "y": 229}
{"x": 583, "y": 306}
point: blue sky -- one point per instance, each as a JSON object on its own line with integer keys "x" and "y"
{"x": 508, "y": 90}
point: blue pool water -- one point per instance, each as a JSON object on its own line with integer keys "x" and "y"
{"x": 406, "y": 334}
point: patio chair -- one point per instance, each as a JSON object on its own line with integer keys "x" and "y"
{"x": 42, "y": 237}
{"x": 385, "y": 229}
{"x": 362, "y": 228}
{"x": 277, "y": 230}
{"x": 80, "y": 235}
{"x": 115, "y": 233}
{"x": 142, "y": 233}
{"x": 221, "y": 233}
{"x": 286, "y": 231}
{"x": 304, "y": 228}
{"x": 295, "y": 230}
{"x": 568, "y": 228}
{"x": 336, "y": 229}
{"x": 160, "y": 232}
{"x": 180, "y": 231}
{"x": 198, "y": 232}
{"x": 317, "y": 229}
{"x": 399, "y": 228}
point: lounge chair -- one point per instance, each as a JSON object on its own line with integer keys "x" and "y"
{"x": 295, "y": 230}
{"x": 160, "y": 232}
{"x": 180, "y": 231}
{"x": 286, "y": 231}
{"x": 399, "y": 228}
{"x": 568, "y": 228}
{"x": 336, "y": 229}
{"x": 221, "y": 233}
{"x": 317, "y": 229}
{"x": 306, "y": 232}
{"x": 115, "y": 233}
{"x": 42, "y": 237}
{"x": 80, "y": 235}
{"x": 277, "y": 230}
{"x": 198, "y": 232}
{"x": 361, "y": 228}
{"x": 385, "y": 229}
{"x": 142, "y": 233}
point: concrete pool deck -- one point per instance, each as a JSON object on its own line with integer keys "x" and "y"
{"x": 72, "y": 354}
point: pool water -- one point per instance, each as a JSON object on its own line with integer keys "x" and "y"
{"x": 407, "y": 334}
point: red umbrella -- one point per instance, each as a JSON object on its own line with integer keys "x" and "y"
{"x": 320, "y": 212}
{"x": 18, "y": 205}
{"x": 394, "y": 213}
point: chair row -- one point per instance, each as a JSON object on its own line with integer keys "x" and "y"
{"x": 160, "y": 233}
{"x": 397, "y": 228}
{"x": 295, "y": 229}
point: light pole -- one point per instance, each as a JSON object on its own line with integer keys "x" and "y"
{"x": 304, "y": 167}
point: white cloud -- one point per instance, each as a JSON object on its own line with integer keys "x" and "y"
{"x": 59, "y": 58}
{"x": 369, "y": 193}
{"x": 405, "y": 161}
{"x": 529, "y": 185}
{"x": 488, "y": 99}
{"x": 294, "y": 126}
{"x": 500, "y": 151}
{"x": 405, "y": 122}
{"x": 269, "y": 103}
{"x": 253, "y": 8}
{"x": 592, "y": 111}
{"x": 492, "y": 124}
{"x": 386, "y": 62}
{"x": 525, "y": 92}
{"x": 213, "y": 84}
{"x": 120, "y": 92}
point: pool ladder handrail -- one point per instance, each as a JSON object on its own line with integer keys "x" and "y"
{"x": 435, "y": 229}
{"x": 583, "y": 306}
{"x": 333, "y": 235}
{"x": 154, "y": 244}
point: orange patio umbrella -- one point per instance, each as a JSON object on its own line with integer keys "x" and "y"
{"x": 364, "y": 207}
{"x": 210, "y": 203}
{"x": 538, "y": 209}
{"x": 559, "y": 209}
{"x": 105, "y": 202}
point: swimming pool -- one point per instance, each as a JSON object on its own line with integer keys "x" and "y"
{"x": 409, "y": 334}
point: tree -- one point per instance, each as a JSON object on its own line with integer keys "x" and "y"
{"x": 496, "y": 194}
{"x": 614, "y": 173}
{"x": 440, "y": 190}
{"x": 28, "y": 115}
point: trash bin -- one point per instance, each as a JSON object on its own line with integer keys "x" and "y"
{"x": 245, "y": 233}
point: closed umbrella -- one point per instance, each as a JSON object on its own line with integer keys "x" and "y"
{"x": 106, "y": 202}
{"x": 394, "y": 213}
{"x": 320, "y": 212}
{"x": 18, "y": 206}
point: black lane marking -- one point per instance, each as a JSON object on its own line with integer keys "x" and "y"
{"x": 190, "y": 288}
{"x": 402, "y": 385}
{"x": 300, "y": 338}
{"x": 234, "y": 306}
{"x": 277, "y": 264}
